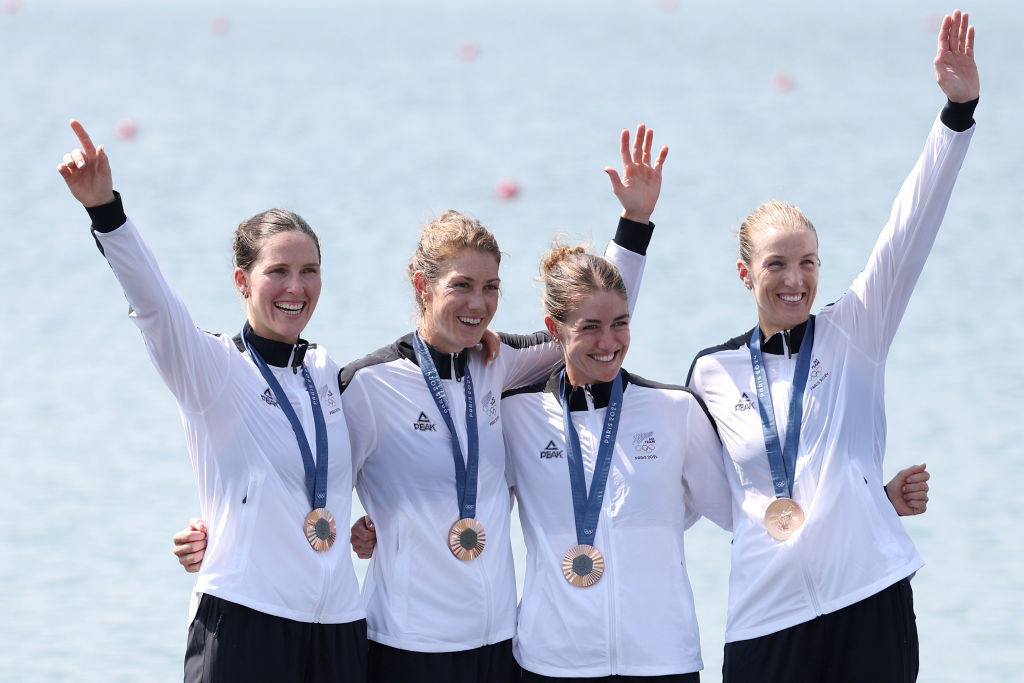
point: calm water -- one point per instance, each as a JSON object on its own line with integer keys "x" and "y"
{"x": 363, "y": 117}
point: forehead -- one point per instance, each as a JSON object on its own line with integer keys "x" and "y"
{"x": 292, "y": 245}
{"x": 472, "y": 263}
{"x": 786, "y": 240}
{"x": 605, "y": 304}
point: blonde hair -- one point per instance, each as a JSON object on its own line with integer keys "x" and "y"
{"x": 570, "y": 275}
{"x": 770, "y": 214}
{"x": 443, "y": 238}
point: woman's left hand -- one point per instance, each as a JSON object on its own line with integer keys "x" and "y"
{"x": 640, "y": 185}
{"x": 908, "y": 490}
{"x": 955, "y": 70}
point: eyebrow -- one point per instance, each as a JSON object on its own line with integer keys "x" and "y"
{"x": 470, "y": 279}
{"x": 598, "y": 320}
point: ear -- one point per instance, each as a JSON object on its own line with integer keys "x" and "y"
{"x": 241, "y": 282}
{"x": 744, "y": 273}
{"x": 552, "y": 326}
{"x": 419, "y": 283}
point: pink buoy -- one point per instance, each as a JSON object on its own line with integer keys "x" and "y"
{"x": 11, "y": 6}
{"x": 783, "y": 82}
{"x": 506, "y": 188}
{"x": 125, "y": 129}
{"x": 220, "y": 25}
{"x": 468, "y": 51}
{"x": 668, "y": 6}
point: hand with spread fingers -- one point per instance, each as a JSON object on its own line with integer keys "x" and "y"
{"x": 640, "y": 184}
{"x": 955, "y": 69}
{"x": 86, "y": 170}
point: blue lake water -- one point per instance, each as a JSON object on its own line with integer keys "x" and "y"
{"x": 366, "y": 118}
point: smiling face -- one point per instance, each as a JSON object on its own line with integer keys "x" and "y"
{"x": 783, "y": 274}
{"x": 459, "y": 304}
{"x": 594, "y": 337}
{"x": 281, "y": 286}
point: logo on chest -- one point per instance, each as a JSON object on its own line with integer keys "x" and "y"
{"x": 268, "y": 398}
{"x": 551, "y": 451}
{"x": 490, "y": 408}
{"x": 817, "y": 374}
{"x": 743, "y": 404}
{"x": 423, "y": 424}
{"x": 644, "y": 446}
{"x": 329, "y": 400}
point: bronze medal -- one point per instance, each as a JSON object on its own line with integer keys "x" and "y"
{"x": 782, "y": 518}
{"x": 583, "y": 566}
{"x": 466, "y": 539}
{"x": 320, "y": 529}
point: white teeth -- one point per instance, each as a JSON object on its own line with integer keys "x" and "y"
{"x": 471, "y": 321}
{"x": 291, "y": 308}
{"x": 791, "y": 298}
{"x": 603, "y": 359}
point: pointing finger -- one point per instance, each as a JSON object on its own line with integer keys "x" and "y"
{"x": 83, "y": 137}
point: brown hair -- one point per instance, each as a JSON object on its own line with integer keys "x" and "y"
{"x": 253, "y": 232}
{"x": 444, "y": 237}
{"x": 571, "y": 274}
{"x": 770, "y": 214}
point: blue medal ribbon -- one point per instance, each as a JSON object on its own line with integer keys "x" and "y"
{"x": 782, "y": 460}
{"x": 316, "y": 474}
{"x": 587, "y": 508}
{"x": 465, "y": 470}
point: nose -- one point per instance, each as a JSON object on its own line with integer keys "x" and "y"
{"x": 293, "y": 283}
{"x": 792, "y": 277}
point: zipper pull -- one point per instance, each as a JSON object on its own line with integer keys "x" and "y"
{"x": 789, "y": 348}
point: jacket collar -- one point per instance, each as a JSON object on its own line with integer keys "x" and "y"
{"x": 444, "y": 362}
{"x": 786, "y": 342}
{"x": 599, "y": 393}
{"x": 275, "y": 353}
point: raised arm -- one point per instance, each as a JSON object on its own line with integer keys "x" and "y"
{"x": 86, "y": 171}
{"x": 955, "y": 69}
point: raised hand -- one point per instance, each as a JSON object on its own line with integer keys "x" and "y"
{"x": 955, "y": 70}
{"x": 87, "y": 171}
{"x": 640, "y": 184}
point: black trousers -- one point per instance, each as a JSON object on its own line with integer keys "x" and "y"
{"x": 487, "y": 664}
{"x": 872, "y": 640}
{"x": 672, "y": 678}
{"x": 229, "y": 642}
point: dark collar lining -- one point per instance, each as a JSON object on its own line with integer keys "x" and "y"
{"x": 442, "y": 361}
{"x": 275, "y": 353}
{"x": 777, "y": 343}
{"x": 600, "y": 393}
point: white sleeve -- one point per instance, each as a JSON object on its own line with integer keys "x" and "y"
{"x": 631, "y": 268}
{"x": 193, "y": 363}
{"x": 527, "y": 359}
{"x": 705, "y": 484}
{"x": 362, "y": 431}
{"x": 871, "y": 310}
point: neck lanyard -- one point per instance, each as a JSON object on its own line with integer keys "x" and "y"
{"x": 782, "y": 460}
{"x": 465, "y": 470}
{"x": 316, "y": 474}
{"x": 587, "y": 508}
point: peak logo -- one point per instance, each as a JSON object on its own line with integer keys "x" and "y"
{"x": 551, "y": 451}
{"x": 743, "y": 404}
{"x": 268, "y": 398}
{"x": 423, "y": 424}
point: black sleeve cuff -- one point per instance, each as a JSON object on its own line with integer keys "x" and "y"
{"x": 958, "y": 116}
{"x": 108, "y": 217}
{"x": 634, "y": 236}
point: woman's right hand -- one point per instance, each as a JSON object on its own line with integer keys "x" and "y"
{"x": 190, "y": 545}
{"x": 86, "y": 171}
{"x": 364, "y": 537}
